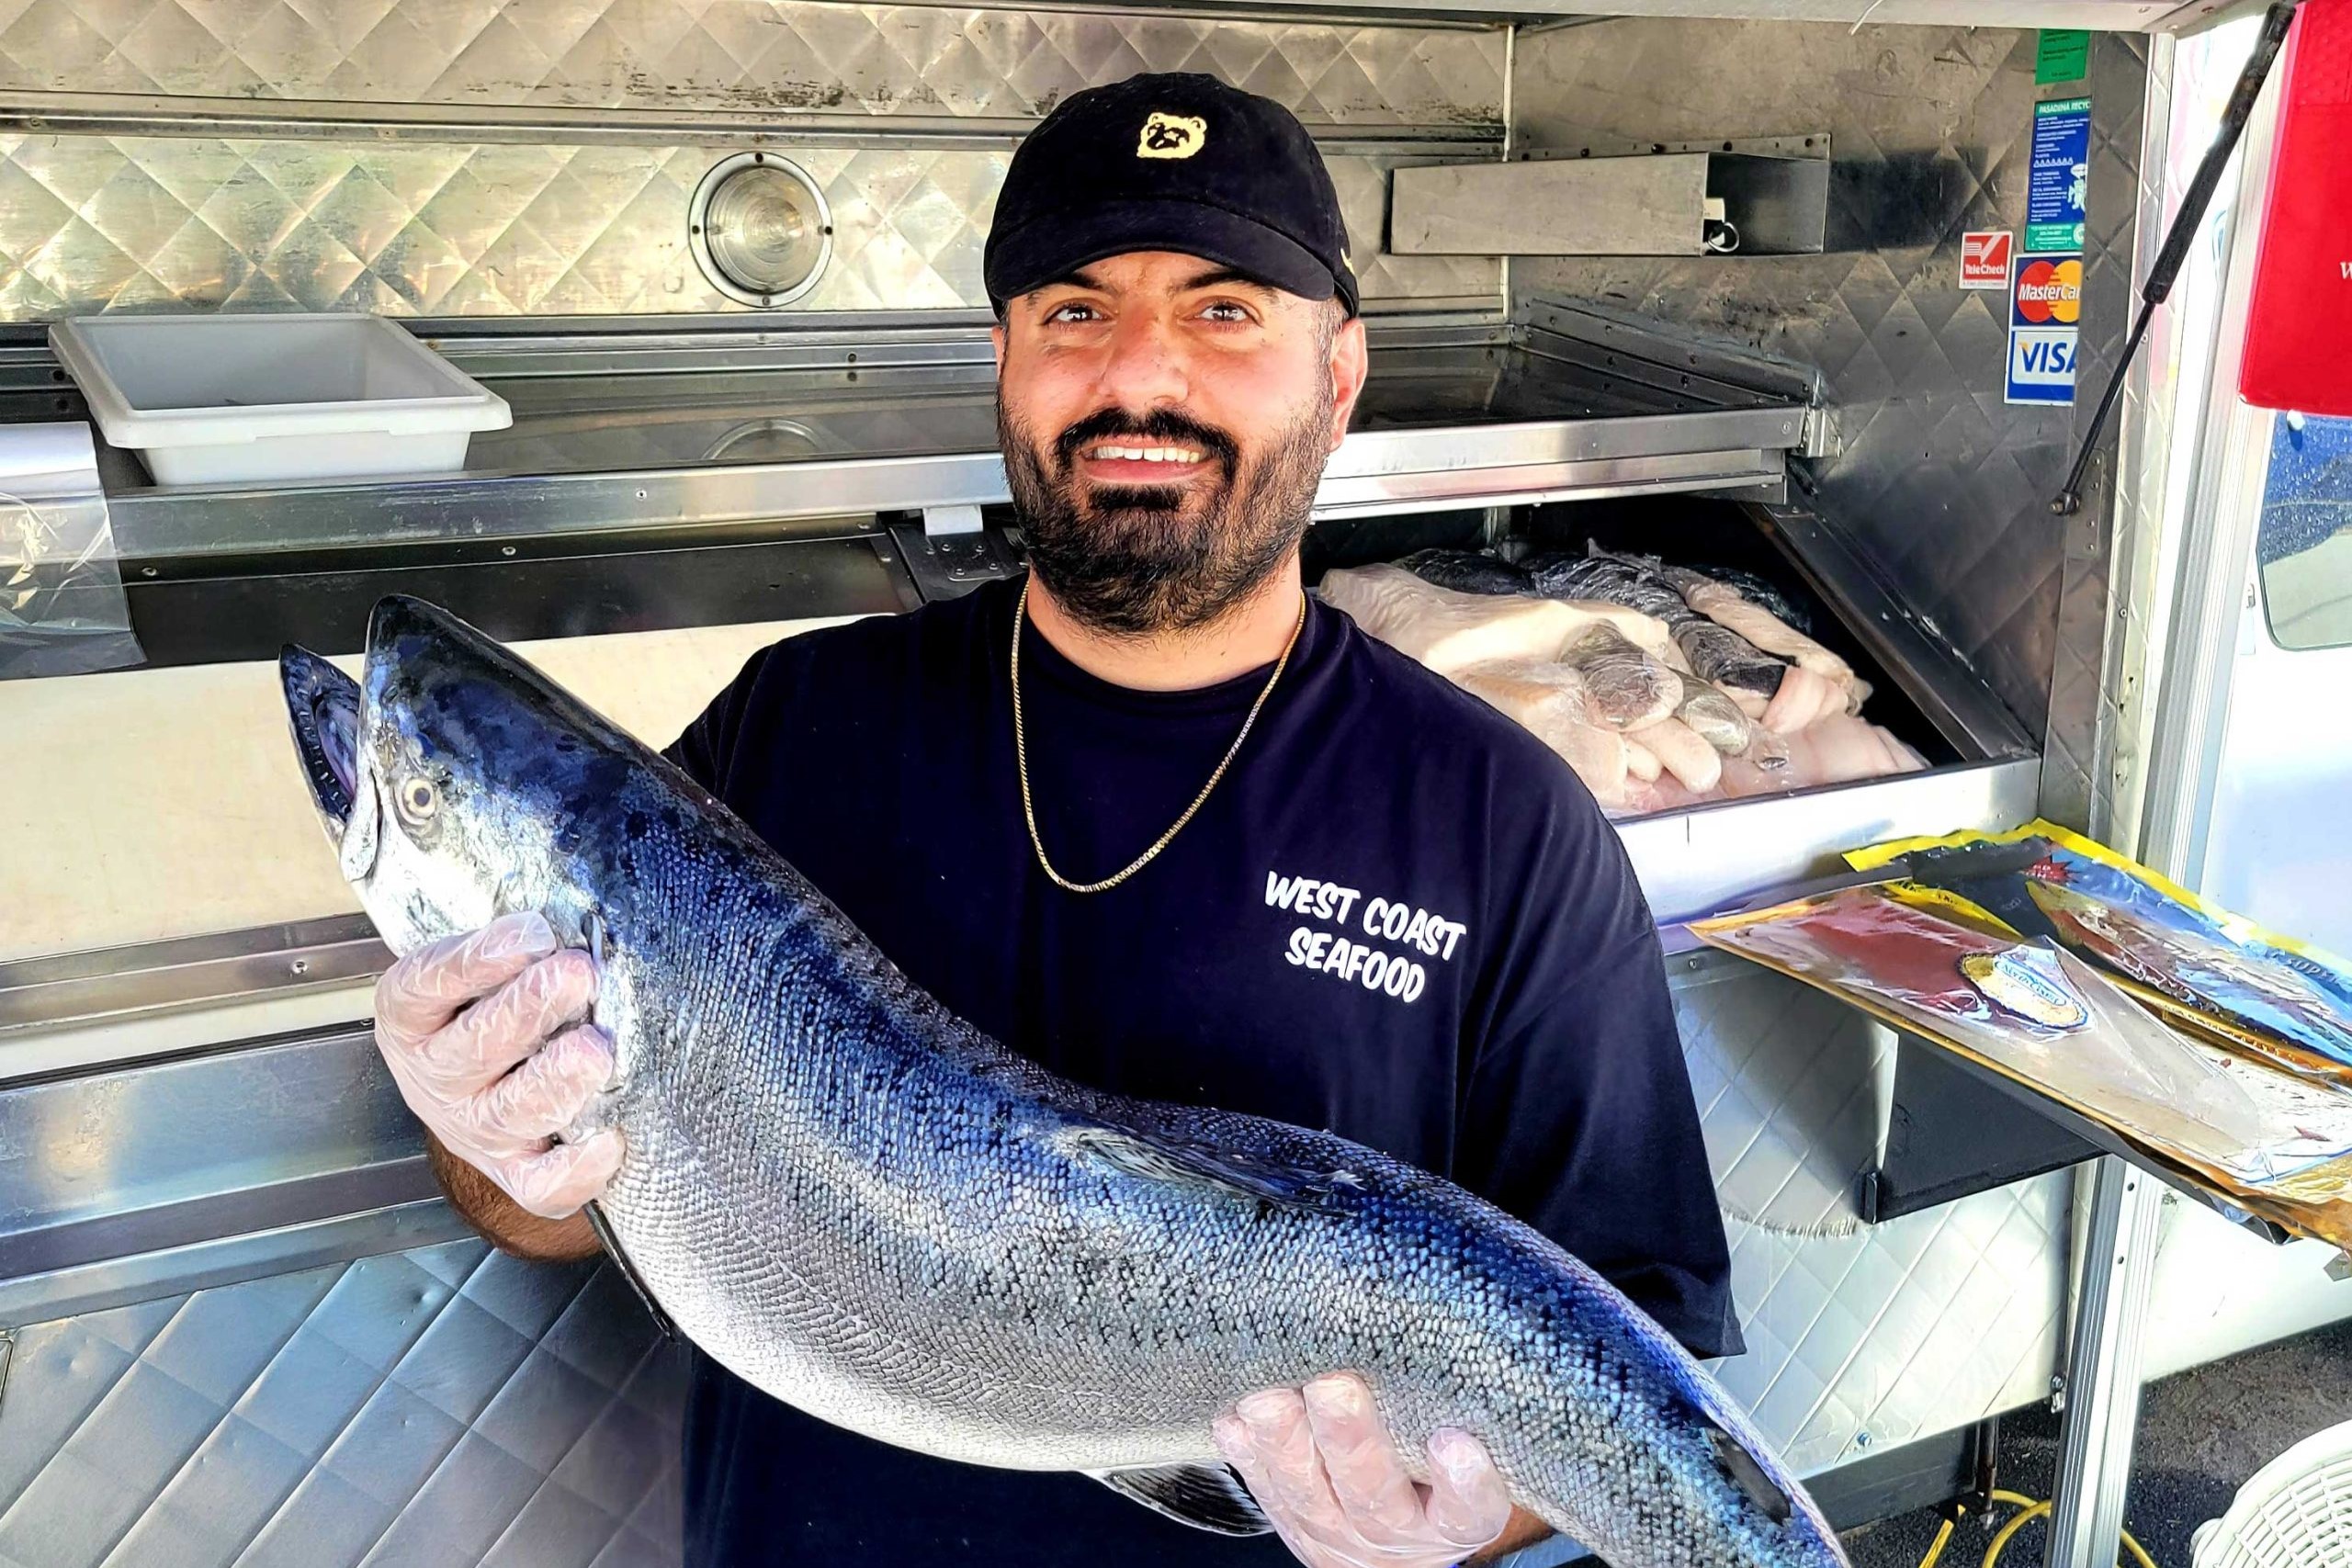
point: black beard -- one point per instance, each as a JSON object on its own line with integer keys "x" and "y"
{"x": 1126, "y": 560}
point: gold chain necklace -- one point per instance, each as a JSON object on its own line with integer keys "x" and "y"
{"x": 1021, "y": 759}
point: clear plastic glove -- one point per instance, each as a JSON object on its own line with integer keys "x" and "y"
{"x": 483, "y": 1034}
{"x": 1320, "y": 1463}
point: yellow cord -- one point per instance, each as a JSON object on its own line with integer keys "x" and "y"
{"x": 2031, "y": 1510}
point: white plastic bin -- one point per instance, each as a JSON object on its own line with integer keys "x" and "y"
{"x": 224, "y": 399}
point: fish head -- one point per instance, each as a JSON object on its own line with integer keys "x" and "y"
{"x": 456, "y": 783}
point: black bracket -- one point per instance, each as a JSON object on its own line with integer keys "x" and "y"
{"x": 1952, "y": 1133}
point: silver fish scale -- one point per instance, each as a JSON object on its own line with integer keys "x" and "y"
{"x": 866, "y": 1208}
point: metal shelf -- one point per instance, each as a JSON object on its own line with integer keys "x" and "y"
{"x": 617, "y": 436}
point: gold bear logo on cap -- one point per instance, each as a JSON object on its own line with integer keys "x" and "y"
{"x": 1171, "y": 135}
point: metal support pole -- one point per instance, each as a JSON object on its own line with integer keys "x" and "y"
{"x": 2103, "y": 1368}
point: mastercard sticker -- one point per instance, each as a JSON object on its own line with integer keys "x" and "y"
{"x": 2048, "y": 292}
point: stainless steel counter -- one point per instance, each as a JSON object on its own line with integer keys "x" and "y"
{"x": 169, "y": 1176}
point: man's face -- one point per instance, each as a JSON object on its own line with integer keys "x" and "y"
{"x": 1165, "y": 422}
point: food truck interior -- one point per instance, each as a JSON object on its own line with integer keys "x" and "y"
{"x": 1698, "y": 294}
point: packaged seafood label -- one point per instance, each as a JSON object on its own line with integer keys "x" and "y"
{"x": 2026, "y": 981}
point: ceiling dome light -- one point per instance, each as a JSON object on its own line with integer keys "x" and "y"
{"x": 760, "y": 229}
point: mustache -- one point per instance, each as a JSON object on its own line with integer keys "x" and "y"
{"x": 1160, "y": 424}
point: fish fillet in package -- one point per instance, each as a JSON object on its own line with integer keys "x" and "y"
{"x": 2196, "y": 965}
{"x": 1927, "y": 962}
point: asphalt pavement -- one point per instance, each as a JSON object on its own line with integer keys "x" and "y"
{"x": 2201, "y": 1434}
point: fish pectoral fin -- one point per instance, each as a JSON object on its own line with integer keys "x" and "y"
{"x": 1234, "y": 1173}
{"x": 627, "y": 1270}
{"x": 1750, "y": 1476}
{"x": 1205, "y": 1497}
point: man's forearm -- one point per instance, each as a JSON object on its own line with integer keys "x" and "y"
{"x": 1524, "y": 1530}
{"x": 503, "y": 1223}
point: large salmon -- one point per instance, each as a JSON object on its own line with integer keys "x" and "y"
{"x": 866, "y": 1207}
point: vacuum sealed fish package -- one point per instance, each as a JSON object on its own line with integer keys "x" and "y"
{"x": 1933, "y": 964}
{"x": 2197, "y": 967}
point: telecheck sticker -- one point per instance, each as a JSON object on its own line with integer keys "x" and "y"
{"x": 1984, "y": 259}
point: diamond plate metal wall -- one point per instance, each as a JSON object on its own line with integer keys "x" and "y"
{"x": 444, "y": 1406}
{"x": 903, "y": 114}
{"x": 91, "y": 223}
{"x": 1941, "y": 484}
{"x": 769, "y": 57}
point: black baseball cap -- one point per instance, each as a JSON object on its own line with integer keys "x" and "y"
{"x": 1175, "y": 161}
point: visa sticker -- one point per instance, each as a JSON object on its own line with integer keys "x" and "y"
{"x": 2029, "y": 983}
{"x": 2042, "y": 365}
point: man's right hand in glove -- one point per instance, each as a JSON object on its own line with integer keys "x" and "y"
{"x": 484, "y": 1034}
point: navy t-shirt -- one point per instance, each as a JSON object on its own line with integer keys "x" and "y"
{"x": 1398, "y": 917}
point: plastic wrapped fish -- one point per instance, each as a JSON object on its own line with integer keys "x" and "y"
{"x": 1449, "y": 630}
{"x": 1469, "y": 571}
{"x": 1550, "y": 701}
{"x": 1629, "y": 689}
{"x": 1715, "y": 654}
{"x": 2199, "y": 965}
{"x": 1763, "y": 592}
{"x": 1755, "y": 624}
{"x": 1444, "y": 628}
{"x": 1716, "y": 718}
{"x": 2207, "y": 976}
{"x": 2047, "y": 1019}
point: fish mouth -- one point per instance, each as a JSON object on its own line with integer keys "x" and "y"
{"x": 412, "y": 628}
{"x": 322, "y": 704}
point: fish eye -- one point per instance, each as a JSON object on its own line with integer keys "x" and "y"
{"x": 416, "y": 799}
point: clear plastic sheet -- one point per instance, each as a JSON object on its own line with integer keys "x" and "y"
{"x": 1934, "y": 965}
{"x": 62, "y": 611}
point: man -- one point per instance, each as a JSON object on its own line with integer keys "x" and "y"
{"x": 1155, "y": 819}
